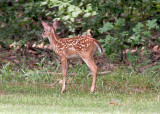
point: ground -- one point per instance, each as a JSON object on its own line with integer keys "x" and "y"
{"x": 40, "y": 99}
{"x": 30, "y": 82}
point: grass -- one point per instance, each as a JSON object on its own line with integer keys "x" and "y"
{"x": 38, "y": 99}
{"x": 121, "y": 91}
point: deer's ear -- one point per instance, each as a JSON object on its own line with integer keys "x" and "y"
{"x": 55, "y": 24}
{"x": 45, "y": 25}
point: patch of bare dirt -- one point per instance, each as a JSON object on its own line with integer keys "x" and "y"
{"x": 32, "y": 55}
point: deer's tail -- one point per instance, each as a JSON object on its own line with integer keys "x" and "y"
{"x": 98, "y": 46}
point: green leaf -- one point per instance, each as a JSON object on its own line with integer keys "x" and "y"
{"x": 120, "y": 22}
{"x": 72, "y": 19}
{"x": 87, "y": 15}
{"x": 147, "y": 33}
{"x": 152, "y": 24}
{"x": 139, "y": 25}
{"x": 44, "y": 3}
{"x": 76, "y": 13}
{"x": 66, "y": 17}
{"x": 71, "y": 8}
{"x": 138, "y": 28}
{"x": 94, "y": 13}
{"x": 124, "y": 33}
{"x": 108, "y": 26}
{"x": 78, "y": 9}
{"x": 89, "y": 7}
{"x": 137, "y": 38}
{"x": 101, "y": 40}
{"x": 108, "y": 39}
{"x": 61, "y": 8}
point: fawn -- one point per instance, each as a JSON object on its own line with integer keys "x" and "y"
{"x": 83, "y": 46}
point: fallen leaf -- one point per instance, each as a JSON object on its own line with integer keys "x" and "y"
{"x": 115, "y": 102}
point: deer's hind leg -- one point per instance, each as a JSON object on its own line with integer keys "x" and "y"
{"x": 91, "y": 64}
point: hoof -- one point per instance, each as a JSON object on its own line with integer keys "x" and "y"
{"x": 92, "y": 90}
{"x": 63, "y": 91}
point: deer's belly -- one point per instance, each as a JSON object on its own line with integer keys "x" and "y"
{"x": 73, "y": 56}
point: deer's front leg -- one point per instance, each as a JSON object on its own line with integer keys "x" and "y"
{"x": 64, "y": 72}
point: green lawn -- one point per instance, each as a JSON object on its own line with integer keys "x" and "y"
{"x": 71, "y": 103}
{"x": 120, "y": 91}
{"x": 23, "y": 98}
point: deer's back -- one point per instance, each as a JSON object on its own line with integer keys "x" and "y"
{"x": 75, "y": 45}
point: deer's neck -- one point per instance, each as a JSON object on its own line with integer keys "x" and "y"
{"x": 53, "y": 38}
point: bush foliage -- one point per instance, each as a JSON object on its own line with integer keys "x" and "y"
{"x": 118, "y": 24}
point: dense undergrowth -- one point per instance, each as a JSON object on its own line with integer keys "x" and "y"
{"x": 121, "y": 79}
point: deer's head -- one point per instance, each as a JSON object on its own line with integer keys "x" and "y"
{"x": 48, "y": 28}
